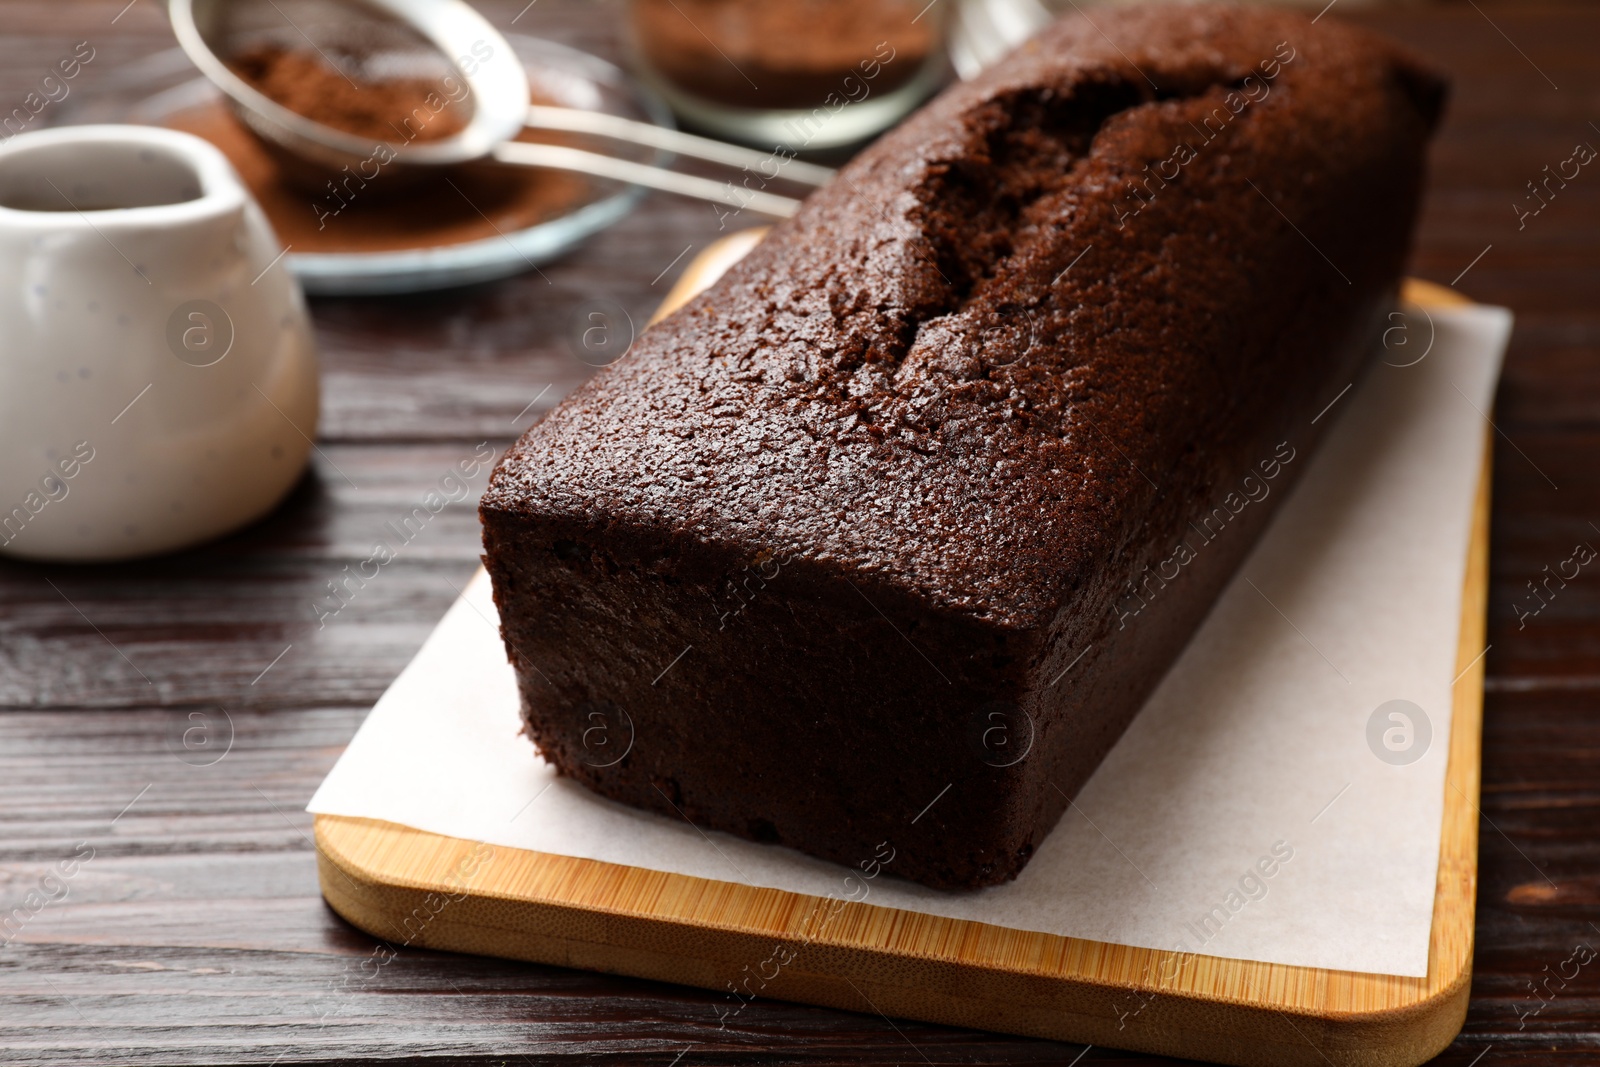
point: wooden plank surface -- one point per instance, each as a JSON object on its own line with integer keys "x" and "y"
{"x": 196, "y": 933}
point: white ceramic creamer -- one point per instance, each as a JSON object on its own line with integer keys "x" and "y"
{"x": 158, "y": 379}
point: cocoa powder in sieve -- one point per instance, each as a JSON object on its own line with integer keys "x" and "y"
{"x": 393, "y": 110}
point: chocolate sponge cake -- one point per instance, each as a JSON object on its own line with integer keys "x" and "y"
{"x": 879, "y": 543}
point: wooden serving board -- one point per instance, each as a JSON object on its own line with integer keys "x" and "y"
{"x": 393, "y": 882}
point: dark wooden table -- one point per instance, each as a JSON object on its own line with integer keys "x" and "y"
{"x": 196, "y": 933}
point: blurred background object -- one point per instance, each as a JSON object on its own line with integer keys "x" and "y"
{"x": 985, "y": 30}
{"x": 805, "y": 74}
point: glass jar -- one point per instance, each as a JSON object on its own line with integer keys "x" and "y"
{"x": 807, "y": 75}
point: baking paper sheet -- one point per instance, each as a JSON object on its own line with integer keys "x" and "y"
{"x": 1254, "y": 754}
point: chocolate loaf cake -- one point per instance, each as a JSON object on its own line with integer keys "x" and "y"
{"x": 876, "y": 546}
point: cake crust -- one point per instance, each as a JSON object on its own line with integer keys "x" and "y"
{"x": 888, "y": 534}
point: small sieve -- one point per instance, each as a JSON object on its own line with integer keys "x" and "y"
{"x": 448, "y": 44}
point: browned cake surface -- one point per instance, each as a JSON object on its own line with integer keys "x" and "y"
{"x": 931, "y": 441}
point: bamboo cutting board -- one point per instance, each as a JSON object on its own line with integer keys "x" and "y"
{"x": 418, "y": 889}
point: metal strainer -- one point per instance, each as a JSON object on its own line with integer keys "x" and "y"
{"x": 444, "y": 42}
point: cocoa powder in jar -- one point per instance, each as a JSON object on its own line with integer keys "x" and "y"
{"x": 789, "y": 54}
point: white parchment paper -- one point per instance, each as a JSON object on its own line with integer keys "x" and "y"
{"x": 1252, "y": 756}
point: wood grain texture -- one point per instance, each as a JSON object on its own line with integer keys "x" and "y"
{"x": 197, "y": 935}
